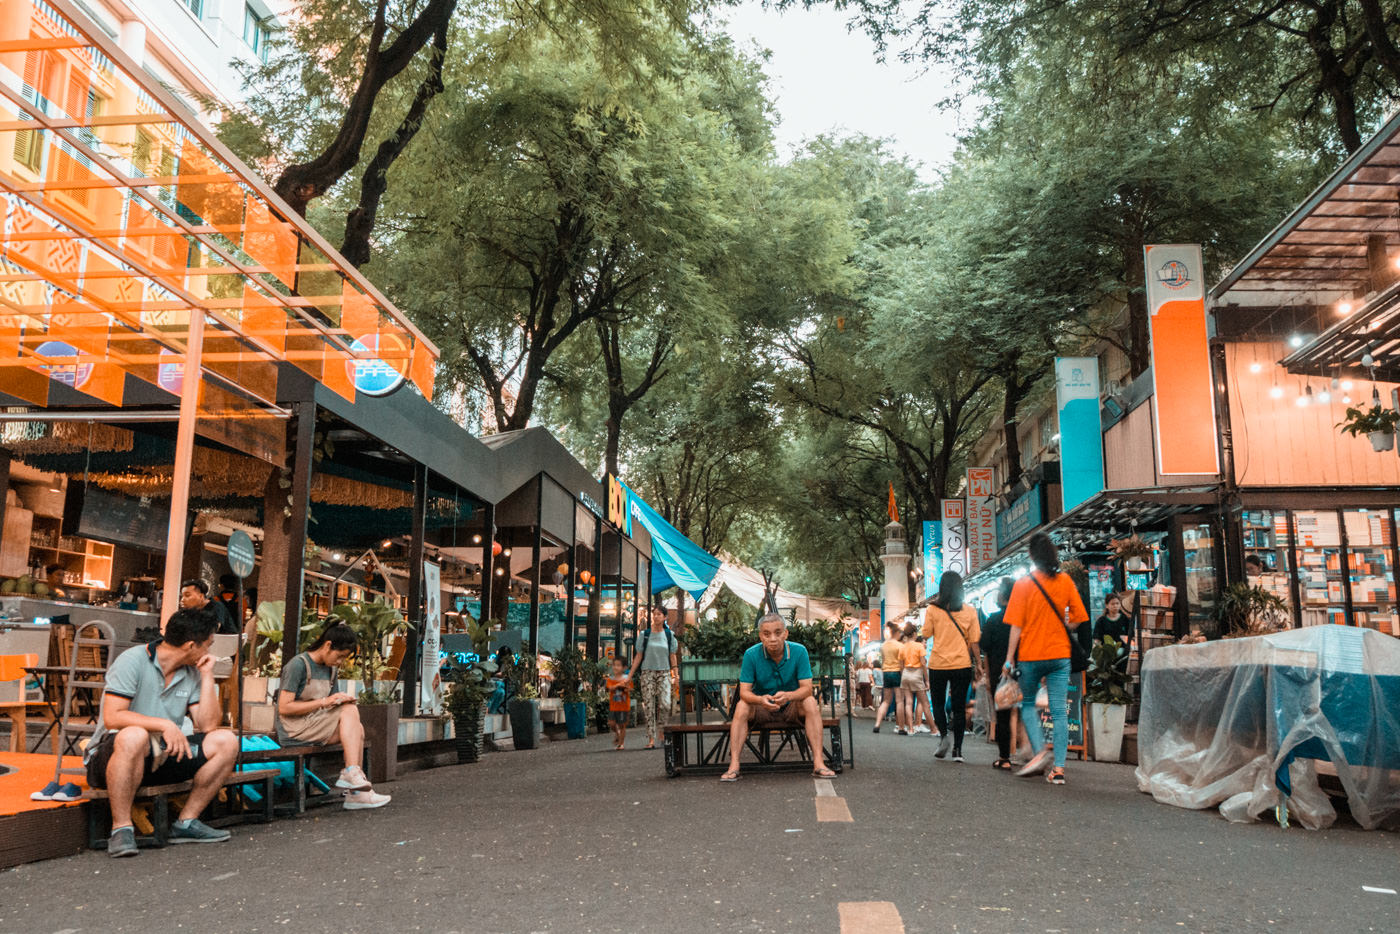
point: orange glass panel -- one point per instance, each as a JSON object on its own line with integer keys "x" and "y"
{"x": 106, "y": 382}
{"x": 336, "y": 376}
{"x": 270, "y": 242}
{"x": 359, "y": 316}
{"x": 264, "y": 319}
{"x": 29, "y": 237}
{"x": 422, "y": 370}
{"x": 80, "y": 326}
{"x": 156, "y": 241}
{"x": 211, "y": 193}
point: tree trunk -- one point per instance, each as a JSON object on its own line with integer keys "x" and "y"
{"x": 1139, "y": 336}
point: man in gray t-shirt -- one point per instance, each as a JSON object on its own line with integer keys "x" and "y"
{"x": 655, "y": 656}
{"x": 137, "y": 741}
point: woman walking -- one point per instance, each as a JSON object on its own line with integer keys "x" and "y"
{"x": 890, "y": 669}
{"x": 912, "y": 686}
{"x": 863, "y": 673}
{"x": 952, "y": 629}
{"x": 996, "y": 635}
{"x": 1044, "y": 609}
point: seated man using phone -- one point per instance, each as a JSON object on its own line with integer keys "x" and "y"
{"x": 150, "y": 690}
{"x": 309, "y": 710}
{"x": 775, "y": 687}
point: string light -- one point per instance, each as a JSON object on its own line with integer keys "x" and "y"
{"x": 1344, "y": 308}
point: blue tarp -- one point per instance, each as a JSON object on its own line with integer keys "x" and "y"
{"x": 676, "y": 561}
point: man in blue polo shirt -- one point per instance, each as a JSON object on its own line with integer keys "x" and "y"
{"x": 775, "y": 688}
{"x": 137, "y": 741}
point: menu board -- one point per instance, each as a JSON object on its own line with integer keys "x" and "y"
{"x": 1074, "y": 704}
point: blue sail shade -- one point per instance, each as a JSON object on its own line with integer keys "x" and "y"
{"x": 676, "y": 561}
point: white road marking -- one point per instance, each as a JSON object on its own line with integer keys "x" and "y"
{"x": 824, "y": 788}
{"x": 1372, "y": 888}
{"x": 870, "y": 918}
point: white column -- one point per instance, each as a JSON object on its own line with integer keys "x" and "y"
{"x": 896, "y": 561}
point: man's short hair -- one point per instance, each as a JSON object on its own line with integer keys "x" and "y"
{"x": 197, "y": 584}
{"x": 771, "y": 618}
{"x": 189, "y": 626}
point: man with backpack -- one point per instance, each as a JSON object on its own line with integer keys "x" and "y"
{"x": 655, "y": 658}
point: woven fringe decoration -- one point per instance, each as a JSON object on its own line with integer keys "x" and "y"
{"x": 66, "y": 438}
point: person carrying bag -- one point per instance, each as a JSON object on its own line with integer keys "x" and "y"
{"x": 952, "y": 629}
{"x": 1044, "y": 609}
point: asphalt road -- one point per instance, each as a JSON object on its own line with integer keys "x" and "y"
{"x": 575, "y": 837}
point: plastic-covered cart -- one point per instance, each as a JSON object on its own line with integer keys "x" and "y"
{"x": 1241, "y": 723}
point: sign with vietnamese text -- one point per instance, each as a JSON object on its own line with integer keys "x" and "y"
{"x": 1025, "y": 513}
{"x": 981, "y": 519}
{"x": 933, "y": 556}
{"x": 955, "y": 536}
{"x": 241, "y": 557}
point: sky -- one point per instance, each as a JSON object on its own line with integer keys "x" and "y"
{"x": 826, "y": 78}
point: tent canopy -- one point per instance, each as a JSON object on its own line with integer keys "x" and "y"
{"x": 676, "y": 560}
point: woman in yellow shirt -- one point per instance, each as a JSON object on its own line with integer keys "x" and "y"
{"x": 912, "y": 686}
{"x": 890, "y": 669}
{"x": 952, "y": 628}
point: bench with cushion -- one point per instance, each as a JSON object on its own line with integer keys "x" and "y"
{"x": 100, "y": 818}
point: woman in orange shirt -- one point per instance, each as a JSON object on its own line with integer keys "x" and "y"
{"x": 953, "y": 629}
{"x": 911, "y": 680}
{"x": 1040, "y": 632}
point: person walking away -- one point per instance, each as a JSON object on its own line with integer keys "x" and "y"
{"x": 619, "y": 685}
{"x": 914, "y": 681}
{"x": 656, "y": 656}
{"x": 310, "y": 710}
{"x": 891, "y": 669}
{"x": 996, "y": 635}
{"x": 1044, "y": 609}
{"x": 863, "y": 678}
{"x": 952, "y": 628}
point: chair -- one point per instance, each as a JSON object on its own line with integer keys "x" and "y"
{"x": 13, "y": 700}
{"x": 92, "y": 643}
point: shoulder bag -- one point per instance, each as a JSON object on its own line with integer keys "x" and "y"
{"x": 1078, "y": 661}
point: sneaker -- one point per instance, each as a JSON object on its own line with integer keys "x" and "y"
{"x": 196, "y": 831}
{"x": 46, "y": 794}
{"x": 958, "y": 756}
{"x": 353, "y": 779}
{"x": 899, "y": 731}
{"x": 359, "y": 800}
{"x": 122, "y": 842}
{"x": 922, "y": 729}
{"x": 1055, "y": 776}
{"x": 945, "y": 744}
{"x": 1036, "y": 763}
{"x": 69, "y": 792}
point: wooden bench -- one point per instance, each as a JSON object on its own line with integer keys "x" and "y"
{"x": 678, "y": 738}
{"x": 298, "y": 756}
{"x": 99, "y": 818}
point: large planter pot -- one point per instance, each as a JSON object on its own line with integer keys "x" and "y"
{"x": 466, "y": 734}
{"x": 1382, "y": 440}
{"x": 525, "y": 724}
{"x": 576, "y": 719}
{"x": 1106, "y": 731}
{"x": 381, "y": 722}
{"x": 254, "y": 689}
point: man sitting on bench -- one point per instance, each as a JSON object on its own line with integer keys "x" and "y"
{"x": 150, "y": 689}
{"x": 775, "y": 689}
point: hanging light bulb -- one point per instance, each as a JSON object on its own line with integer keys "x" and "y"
{"x": 1346, "y": 400}
{"x": 1336, "y": 383}
{"x": 1303, "y": 400}
{"x": 1324, "y": 397}
{"x": 1344, "y": 308}
{"x": 1277, "y": 391}
{"x": 1346, "y": 385}
{"x": 1256, "y": 367}
{"x": 1366, "y": 358}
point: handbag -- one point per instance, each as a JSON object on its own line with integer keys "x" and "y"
{"x": 1008, "y": 693}
{"x": 1078, "y": 660}
{"x": 971, "y": 658}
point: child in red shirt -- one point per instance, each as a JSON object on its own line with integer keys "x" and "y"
{"x": 619, "y": 685}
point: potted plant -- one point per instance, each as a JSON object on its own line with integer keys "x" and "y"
{"x": 1135, "y": 553}
{"x": 375, "y": 624}
{"x": 1377, "y": 423}
{"x": 1108, "y": 698}
{"x": 524, "y": 705}
{"x": 1248, "y": 610}
{"x": 570, "y": 676}
{"x": 469, "y": 684}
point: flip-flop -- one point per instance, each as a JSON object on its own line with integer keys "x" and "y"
{"x": 729, "y": 777}
{"x": 824, "y": 773}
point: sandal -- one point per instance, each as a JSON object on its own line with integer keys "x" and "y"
{"x": 730, "y": 776}
{"x": 823, "y": 773}
{"x": 1002, "y": 764}
{"x": 1055, "y": 776}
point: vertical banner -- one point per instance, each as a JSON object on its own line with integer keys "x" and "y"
{"x": 933, "y": 556}
{"x": 429, "y": 672}
{"x": 955, "y": 536}
{"x": 981, "y": 519}
{"x": 1081, "y": 437}
{"x": 1184, "y": 402}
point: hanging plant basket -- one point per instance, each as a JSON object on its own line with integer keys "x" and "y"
{"x": 1382, "y": 440}
{"x": 1377, "y": 423}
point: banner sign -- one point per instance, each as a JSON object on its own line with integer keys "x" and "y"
{"x": 1081, "y": 440}
{"x": 1026, "y": 512}
{"x": 981, "y": 519}
{"x": 955, "y": 536}
{"x": 933, "y": 556}
{"x": 429, "y": 672}
{"x": 1184, "y": 403}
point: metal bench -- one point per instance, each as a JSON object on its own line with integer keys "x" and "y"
{"x": 99, "y": 818}
{"x": 685, "y": 747}
{"x": 298, "y": 756}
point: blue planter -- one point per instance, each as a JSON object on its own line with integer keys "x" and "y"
{"x": 576, "y": 719}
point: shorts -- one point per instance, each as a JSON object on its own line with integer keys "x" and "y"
{"x": 912, "y": 679}
{"x": 791, "y": 712}
{"x": 618, "y": 716}
{"x": 169, "y": 773}
{"x": 892, "y": 679}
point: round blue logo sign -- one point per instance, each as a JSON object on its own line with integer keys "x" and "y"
{"x": 70, "y": 374}
{"x": 372, "y": 377}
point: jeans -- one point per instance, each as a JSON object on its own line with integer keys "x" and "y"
{"x": 1055, "y": 673}
{"x": 942, "y": 682}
